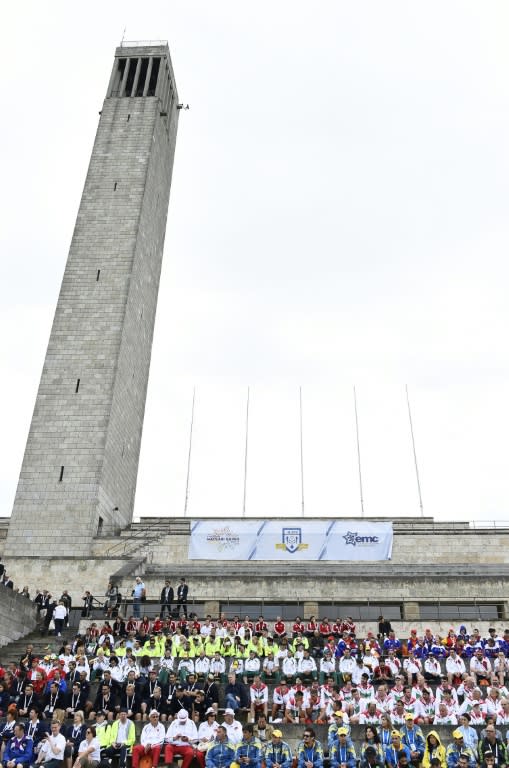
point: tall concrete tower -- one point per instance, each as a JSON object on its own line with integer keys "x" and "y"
{"x": 80, "y": 466}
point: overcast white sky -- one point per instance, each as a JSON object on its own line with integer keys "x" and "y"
{"x": 338, "y": 217}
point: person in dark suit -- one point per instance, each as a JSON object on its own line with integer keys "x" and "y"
{"x": 74, "y": 734}
{"x": 88, "y": 602}
{"x": 35, "y": 729}
{"x": 104, "y": 702}
{"x": 27, "y": 700}
{"x": 167, "y": 597}
{"x": 75, "y": 700}
{"x": 182, "y": 591}
{"x": 54, "y": 699}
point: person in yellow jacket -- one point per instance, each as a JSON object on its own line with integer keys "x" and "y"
{"x": 197, "y": 644}
{"x": 178, "y": 639}
{"x": 154, "y": 647}
{"x": 120, "y": 650}
{"x": 227, "y": 647}
{"x": 212, "y": 644}
{"x": 299, "y": 640}
{"x": 434, "y": 748}
{"x": 185, "y": 651}
{"x": 102, "y": 729}
{"x": 121, "y": 737}
{"x": 257, "y": 645}
{"x": 270, "y": 646}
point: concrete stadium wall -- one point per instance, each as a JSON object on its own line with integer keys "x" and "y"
{"x": 18, "y": 616}
{"x": 431, "y": 562}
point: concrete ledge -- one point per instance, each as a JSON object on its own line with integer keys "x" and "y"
{"x": 18, "y": 616}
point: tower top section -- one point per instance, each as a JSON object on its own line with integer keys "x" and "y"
{"x": 80, "y": 467}
{"x": 142, "y": 69}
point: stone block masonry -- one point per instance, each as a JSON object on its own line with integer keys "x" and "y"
{"x": 80, "y": 466}
{"x": 18, "y": 616}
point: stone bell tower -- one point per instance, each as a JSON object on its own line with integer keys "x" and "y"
{"x": 80, "y": 466}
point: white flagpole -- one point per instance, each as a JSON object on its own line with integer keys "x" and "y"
{"x": 358, "y": 450}
{"x": 415, "y": 452}
{"x": 301, "y": 453}
{"x": 189, "y": 454}
{"x": 245, "y": 455}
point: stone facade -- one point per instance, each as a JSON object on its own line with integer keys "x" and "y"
{"x": 81, "y": 460}
{"x": 18, "y": 616}
{"x": 431, "y": 563}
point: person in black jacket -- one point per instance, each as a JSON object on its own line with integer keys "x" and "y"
{"x": 131, "y": 701}
{"x": 182, "y": 591}
{"x": 118, "y": 628}
{"x": 53, "y": 700}
{"x": 211, "y": 692}
{"x": 49, "y": 615}
{"x": 42, "y": 601}
{"x": 235, "y": 693}
{"x": 75, "y": 700}
{"x": 7, "y": 729}
{"x": 35, "y": 729}
{"x": 490, "y": 743}
{"x": 88, "y": 603}
{"x": 384, "y": 627}
{"x": 5, "y": 699}
{"x": 26, "y": 660}
{"x": 104, "y": 702}
{"x": 167, "y": 597}
{"x": 179, "y": 701}
{"x": 27, "y": 700}
{"x": 74, "y": 734}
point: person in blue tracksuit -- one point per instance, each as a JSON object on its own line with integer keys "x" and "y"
{"x": 221, "y": 753}
{"x": 19, "y": 749}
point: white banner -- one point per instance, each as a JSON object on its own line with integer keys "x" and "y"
{"x": 348, "y": 539}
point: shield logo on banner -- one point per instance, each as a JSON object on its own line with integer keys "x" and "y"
{"x": 292, "y": 539}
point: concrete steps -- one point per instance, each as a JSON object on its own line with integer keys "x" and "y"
{"x": 345, "y": 571}
{"x": 42, "y": 644}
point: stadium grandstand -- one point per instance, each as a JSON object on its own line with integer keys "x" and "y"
{"x": 351, "y": 683}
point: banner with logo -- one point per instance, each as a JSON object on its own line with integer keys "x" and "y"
{"x": 348, "y": 539}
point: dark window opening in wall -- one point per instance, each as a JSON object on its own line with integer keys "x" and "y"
{"x": 153, "y": 77}
{"x": 77, "y": 386}
{"x": 361, "y": 611}
{"x": 61, "y": 474}
{"x": 460, "y": 612}
{"x": 143, "y": 76}
{"x": 115, "y": 91}
{"x": 130, "y": 76}
{"x": 98, "y": 275}
{"x": 100, "y": 525}
{"x": 115, "y": 187}
{"x": 287, "y": 611}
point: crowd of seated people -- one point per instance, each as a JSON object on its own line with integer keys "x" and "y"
{"x": 171, "y": 675}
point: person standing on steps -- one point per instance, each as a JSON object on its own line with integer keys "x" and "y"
{"x": 182, "y": 591}
{"x": 167, "y": 597}
{"x": 138, "y": 595}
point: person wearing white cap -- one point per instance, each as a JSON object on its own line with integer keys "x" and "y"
{"x": 179, "y": 739}
{"x": 233, "y": 727}
{"x": 151, "y": 740}
{"x": 208, "y": 729}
